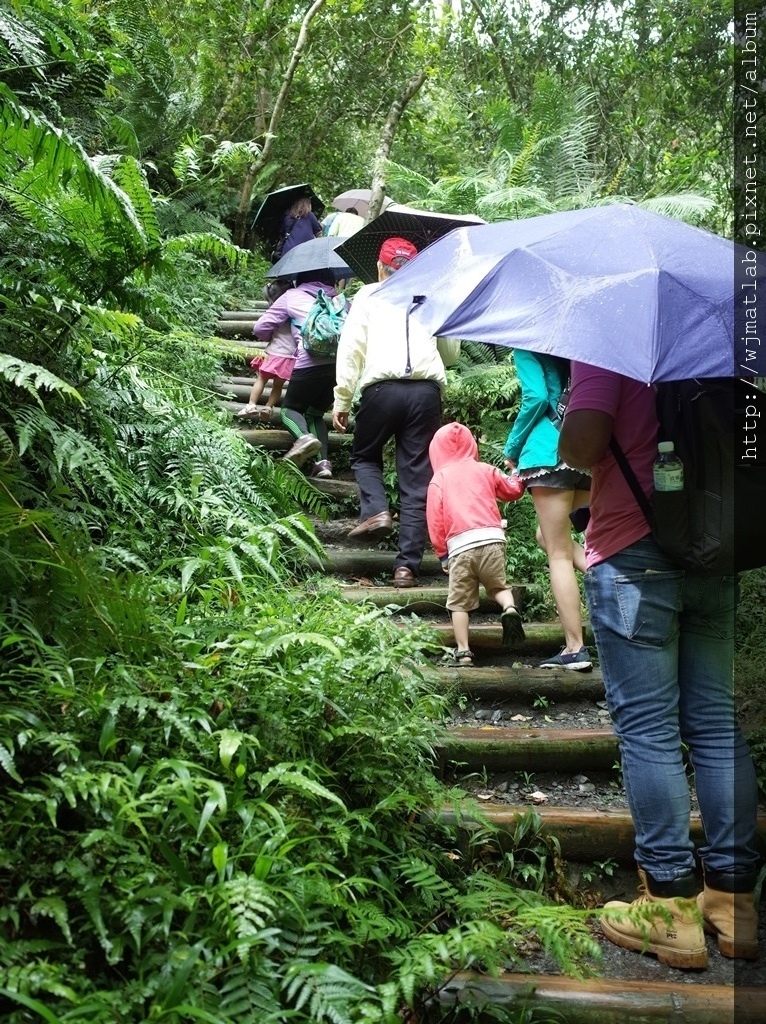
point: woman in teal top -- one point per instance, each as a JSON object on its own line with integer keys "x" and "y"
{"x": 532, "y": 450}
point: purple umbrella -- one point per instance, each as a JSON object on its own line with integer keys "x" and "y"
{"x": 615, "y": 286}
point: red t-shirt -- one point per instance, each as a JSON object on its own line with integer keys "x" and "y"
{"x": 616, "y": 521}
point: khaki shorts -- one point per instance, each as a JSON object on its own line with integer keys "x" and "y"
{"x": 483, "y": 565}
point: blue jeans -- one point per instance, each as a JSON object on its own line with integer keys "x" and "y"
{"x": 665, "y": 641}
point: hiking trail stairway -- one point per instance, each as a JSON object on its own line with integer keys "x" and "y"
{"x": 525, "y": 737}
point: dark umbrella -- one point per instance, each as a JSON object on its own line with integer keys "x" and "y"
{"x": 268, "y": 220}
{"x": 359, "y": 199}
{"x": 316, "y": 254}
{"x": 418, "y": 226}
{"x": 615, "y": 286}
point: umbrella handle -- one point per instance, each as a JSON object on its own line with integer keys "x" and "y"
{"x": 416, "y": 301}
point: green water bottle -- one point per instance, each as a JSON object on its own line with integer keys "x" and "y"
{"x": 668, "y": 469}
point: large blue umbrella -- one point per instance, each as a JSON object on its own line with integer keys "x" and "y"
{"x": 616, "y": 286}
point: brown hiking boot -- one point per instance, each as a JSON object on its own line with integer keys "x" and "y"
{"x": 673, "y": 932}
{"x": 731, "y": 916}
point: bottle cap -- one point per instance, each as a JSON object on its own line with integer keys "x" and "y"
{"x": 666, "y": 446}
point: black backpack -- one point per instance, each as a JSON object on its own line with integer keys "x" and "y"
{"x": 715, "y": 524}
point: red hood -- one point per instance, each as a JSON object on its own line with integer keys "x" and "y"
{"x": 453, "y": 443}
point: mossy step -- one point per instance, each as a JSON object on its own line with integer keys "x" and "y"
{"x": 524, "y": 683}
{"x": 607, "y": 1000}
{"x": 237, "y": 327}
{"x": 369, "y": 562}
{"x": 488, "y": 635}
{"x": 584, "y": 834}
{"x": 422, "y": 600}
{"x": 252, "y": 311}
{"x": 343, "y": 490}
{"x": 281, "y": 440}
{"x": 540, "y": 750}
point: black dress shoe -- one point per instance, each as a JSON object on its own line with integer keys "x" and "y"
{"x": 376, "y": 526}
{"x": 404, "y": 577}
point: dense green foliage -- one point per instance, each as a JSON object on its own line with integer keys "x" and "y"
{"x": 215, "y": 773}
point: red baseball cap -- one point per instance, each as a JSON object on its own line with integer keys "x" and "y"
{"x": 395, "y": 252}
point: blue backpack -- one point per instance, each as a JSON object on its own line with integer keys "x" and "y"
{"x": 321, "y": 329}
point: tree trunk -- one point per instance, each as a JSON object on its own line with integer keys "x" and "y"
{"x": 246, "y": 195}
{"x": 386, "y": 141}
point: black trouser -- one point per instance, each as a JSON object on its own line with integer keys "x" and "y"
{"x": 410, "y": 411}
{"x": 307, "y": 399}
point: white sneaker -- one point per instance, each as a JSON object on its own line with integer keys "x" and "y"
{"x": 306, "y": 446}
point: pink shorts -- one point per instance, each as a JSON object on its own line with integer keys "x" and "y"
{"x": 274, "y": 366}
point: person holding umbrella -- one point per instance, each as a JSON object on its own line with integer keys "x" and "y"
{"x": 665, "y": 640}
{"x": 399, "y": 368}
{"x": 299, "y": 224}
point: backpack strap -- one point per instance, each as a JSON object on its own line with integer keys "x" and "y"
{"x": 632, "y": 482}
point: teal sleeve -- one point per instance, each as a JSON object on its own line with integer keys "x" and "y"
{"x": 534, "y": 401}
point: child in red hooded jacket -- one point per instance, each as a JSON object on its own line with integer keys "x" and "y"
{"x": 467, "y": 533}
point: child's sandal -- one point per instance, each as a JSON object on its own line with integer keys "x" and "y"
{"x": 248, "y": 410}
{"x": 265, "y": 414}
{"x": 464, "y": 658}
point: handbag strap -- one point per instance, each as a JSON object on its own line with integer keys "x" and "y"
{"x": 632, "y": 482}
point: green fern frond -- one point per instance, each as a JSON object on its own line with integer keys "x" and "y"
{"x": 293, "y": 776}
{"x": 32, "y": 378}
{"x": 326, "y": 991}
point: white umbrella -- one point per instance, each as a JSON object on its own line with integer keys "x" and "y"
{"x": 358, "y": 199}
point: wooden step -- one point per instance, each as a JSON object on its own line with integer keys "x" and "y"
{"x": 236, "y": 328}
{"x": 543, "y": 750}
{"x": 608, "y": 1000}
{"x": 281, "y": 440}
{"x": 496, "y": 683}
{"x": 275, "y": 420}
{"x": 431, "y": 599}
{"x": 343, "y": 490}
{"x": 251, "y": 313}
{"x": 548, "y": 635}
{"x": 369, "y": 563}
{"x": 585, "y": 835}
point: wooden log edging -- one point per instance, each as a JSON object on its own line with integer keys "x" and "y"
{"x": 429, "y": 599}
{"x": 584, "y": 835}
{"x": 522, "y": 683}
{"x": 511, "y": 749}
{"x": 489, "y": 636}
{"x": 281, "y": 440}
{"x": 607, "y": 1001}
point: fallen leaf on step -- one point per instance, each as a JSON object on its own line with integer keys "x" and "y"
{"x": 363, "y": 581}
{"x": 521, "y": 718}
{"x": 484, "y": 796}
{"x": 537, "y": 797}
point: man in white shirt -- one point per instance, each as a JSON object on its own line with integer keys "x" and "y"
{"x": 399, "y": 369}
{"x": 346, "y": 223}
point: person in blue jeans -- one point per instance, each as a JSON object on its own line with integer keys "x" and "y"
{"x": 665, "y": 641}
